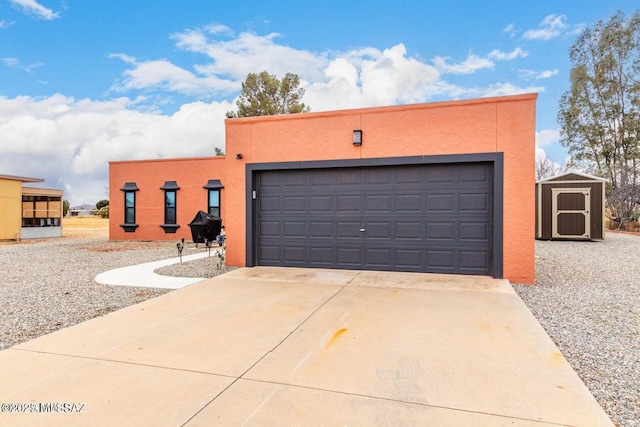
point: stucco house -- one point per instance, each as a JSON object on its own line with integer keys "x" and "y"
{"x": 28, "y": 212}
{"x": 444, "y": 187}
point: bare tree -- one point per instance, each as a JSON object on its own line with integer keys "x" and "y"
{"x": 546, "y": 168}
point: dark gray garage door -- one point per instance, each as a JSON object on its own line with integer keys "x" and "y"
{"x": 427, "y": 218}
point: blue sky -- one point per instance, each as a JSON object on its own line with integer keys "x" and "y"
{"x": 84, "y": 82}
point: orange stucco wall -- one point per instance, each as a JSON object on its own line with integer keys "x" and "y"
{"x": 502, "y": 124}
{"x": 191, "y": 174}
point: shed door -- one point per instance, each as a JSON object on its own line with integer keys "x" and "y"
{"x": 570, "y": 212}
{"x": 427, "y": 218}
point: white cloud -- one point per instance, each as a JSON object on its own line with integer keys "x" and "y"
{"x": 10, "y": 62}
{"x": 472, "y": 64}
{"x": 69, "y": 142}
{"x": 500, "y": 89}
{"x": 550, "y": 27}
{"x": 5, "y": 24}
{"x": 510, "y": 29}
{"x": 163, "y": 75}
{"x": 504, "y": 56}
{"x": 248, "y": 53}
{"x": 32, "y": 7}
{"x": 15, "y": 63}
{"x": 537, "y": 75}
{"x": 547, "y": 136}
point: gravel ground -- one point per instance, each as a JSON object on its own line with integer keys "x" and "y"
{"x": 49, "y": 285}
{"x": 587, "y": 298}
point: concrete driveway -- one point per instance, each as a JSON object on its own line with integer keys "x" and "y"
{"x": 286, "y": 346}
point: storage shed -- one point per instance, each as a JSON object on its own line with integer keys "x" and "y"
{"x": 570, "y": 206}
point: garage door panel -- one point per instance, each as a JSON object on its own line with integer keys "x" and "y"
{"x": 378, "y": 230}
{"x": 475, "y": 202}
{"x": 349, "y": 257}
{"x": 269, "y": 254}
{"x": 348, "y": 203}
{"x": 378, "y": 204}
{"x": 438, "y": 174}
{"x": 410, "y": 259}
{"x": 321, "y": 204}
{"x": 440, "y": 259}
{"x": 378, "y": 258}
{"x": 348, "y": 177}
{"x": 410, "y": 175}
{"x": 269, "y": 229}
{"x": 475, "y": 174}
{"x": 441, "y": 231}
{"x": 270, "y": 204}
{"x": 293, "y": 204}
{"x": 406, "y": 230}
{"x": 377, "y": 176}
{"x": 321, "y": 256}
{"x": 409, "y": 203}
{"x": 295, "y": 229}
{"x": 321, "y": 229}
{"x": 293, "y": 180}
{"x": 475, "y": 231}
{"x": 294, "y": 254}
{"x": 348, "y": 230}
{"x": 428, "y": 218}
{"x": 440, "y": 203}
{"x": 323, "y": 177}
{"x": 474, "y": 261}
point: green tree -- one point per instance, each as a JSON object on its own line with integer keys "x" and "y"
{"x": 600, "y": 114}
{"x": 265, "y": 95}
{"x": 65, "y": 207}
{"x": 101, "y": 204}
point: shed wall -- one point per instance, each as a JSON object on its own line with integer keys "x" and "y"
{"x": 544, "y": 210}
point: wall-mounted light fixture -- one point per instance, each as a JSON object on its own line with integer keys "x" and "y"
{"x": 239, "y": 156}
{"x": 357, "y": 137}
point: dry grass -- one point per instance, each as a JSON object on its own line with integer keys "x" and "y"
{"x": 85, "y": 227}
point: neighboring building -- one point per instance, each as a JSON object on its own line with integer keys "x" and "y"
{"x": 441, "y": 187}
{"x": 570, "y": 206}
{"x": 26, "y": 212}
{"x": 82, "y": 210}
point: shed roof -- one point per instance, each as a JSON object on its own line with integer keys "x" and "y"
{"x": 572, "y": 176}
{"x": 21, "y": 178}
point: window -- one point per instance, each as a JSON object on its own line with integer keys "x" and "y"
{"x": 129, "y": 189}
{"x": 214, "y": 203}
{"x": 213, "y": 200}
{"x": 170, "y": 207}
{"x": 41, "y": 211}
{"x": 129, "y": 207}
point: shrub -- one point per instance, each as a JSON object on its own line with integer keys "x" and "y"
{"x": 104, "y": 212}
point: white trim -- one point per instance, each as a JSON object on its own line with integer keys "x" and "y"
{"x": 584, "y": 175}
{"x": 570, "y": 182}
{"x": 586, "y": 212}
{"x": 539, "y": 197}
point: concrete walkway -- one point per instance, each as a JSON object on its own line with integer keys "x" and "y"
{"x": 142, "y": 275}
{"x": 286, "y": 346}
